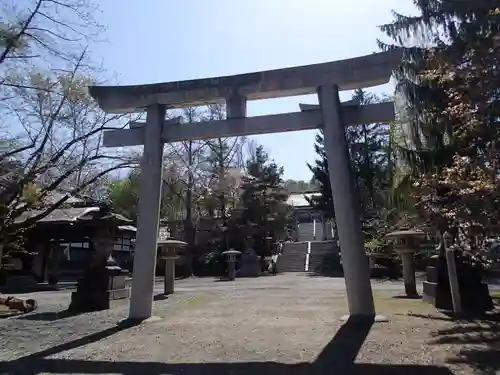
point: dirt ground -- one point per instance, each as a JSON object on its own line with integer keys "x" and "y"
{"x": 288, "y": 324}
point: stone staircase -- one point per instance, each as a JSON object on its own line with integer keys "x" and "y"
{"x": 293, "y": 258}
{"x": 306, "y": 232}
{"x": 311, "y": 256}
{"x": 324, "y": 257}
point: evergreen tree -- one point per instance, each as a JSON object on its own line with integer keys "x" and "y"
{"x": 322, "y": 202}
{"x": 450, "y": 59}
{"x": 219, "y": 152}
{"x": 263, "y": 200}
{"x": 123, "y": 196}
{"x": 368, "y": 145}
{"x": 448, "y": 83}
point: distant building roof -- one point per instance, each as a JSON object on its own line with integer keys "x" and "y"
{"x": 299, "y": 199}
{"x": 58, "y": 215}
{"x": 68, "y": 215}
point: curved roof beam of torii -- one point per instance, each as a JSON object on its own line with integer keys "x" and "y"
{"x": 359, "y": 72}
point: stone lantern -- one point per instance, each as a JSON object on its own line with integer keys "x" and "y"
{"x": 231, "y": 262}
{"x": 406, "y": 243}
{"x": 104, "y": 279}
{"x": 168, "y": 249}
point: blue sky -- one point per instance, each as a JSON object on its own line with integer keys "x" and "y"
{"x": 169, "y": 40}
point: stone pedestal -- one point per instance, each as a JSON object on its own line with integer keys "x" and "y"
{"x": 98, "y": 287}
{"x": 406, "y": 243}
{"x": 410, "y": 282}
{"x": 169, "y": 280}
{"x": 231, "y": 263}
{"x": 104, "y": 280}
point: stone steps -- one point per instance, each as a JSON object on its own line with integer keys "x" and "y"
{"x": 293, "y": 258}
{"x": 316, "y": 256}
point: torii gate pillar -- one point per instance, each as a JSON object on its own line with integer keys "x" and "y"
{"x": 148, "y": 218}
{"x": 346, "y": 205}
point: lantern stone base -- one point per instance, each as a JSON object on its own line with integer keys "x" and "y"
{"x": 95, "y": 291}
{"x": 169, "y": 277}
{"x": 410, "y": 283}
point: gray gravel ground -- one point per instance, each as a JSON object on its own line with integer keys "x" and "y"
{"x": 288, "y": 324}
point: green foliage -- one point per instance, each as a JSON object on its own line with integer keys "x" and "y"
{"x": 322, "y": 202}
{"x": 370, "y": 163}
{"x": 123, "y": 195}
{"x": 264, "y": 212}
{"x": 448, "y": 82}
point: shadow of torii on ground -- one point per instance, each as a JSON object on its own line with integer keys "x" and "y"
{"x": 336, "y": 358}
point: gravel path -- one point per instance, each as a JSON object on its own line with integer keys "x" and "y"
{"x": 288, "y": 324}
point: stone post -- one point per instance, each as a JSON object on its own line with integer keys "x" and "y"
{"x": 346, "y": 205}
{"x": 141, "y": 302}
{"x": 231, "y": 263}
{"x": 452, "y": 273}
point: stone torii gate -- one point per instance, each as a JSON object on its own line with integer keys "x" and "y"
{"x": 325, "y": 80}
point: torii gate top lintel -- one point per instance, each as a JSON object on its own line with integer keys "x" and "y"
{"x": 359, "y": 72}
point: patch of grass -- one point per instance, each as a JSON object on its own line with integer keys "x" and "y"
{"x": 386, "y": 303}
{"x": 197, "y": 300}
{"x": 184, "y": 304}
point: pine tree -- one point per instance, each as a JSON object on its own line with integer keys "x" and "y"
{"x": 368, "y": 154}
{"x": 447, "y": 37}
{"x": 449, "y": 85}
{"x": 322, "y": 202}
{"x": 263, "y": 200}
